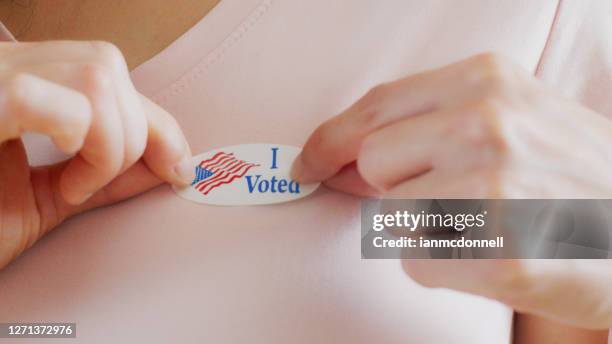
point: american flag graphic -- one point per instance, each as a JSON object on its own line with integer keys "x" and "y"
{"x": 222, "y": 168}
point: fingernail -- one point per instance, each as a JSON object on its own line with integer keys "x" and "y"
{"x": 185, "y": 171}
{"x": 80, "y": 200}
{"x": 297, "y": 170}
{"x": 86, "y": 197}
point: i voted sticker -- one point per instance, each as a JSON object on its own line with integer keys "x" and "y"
{"x": 248, "y": 174}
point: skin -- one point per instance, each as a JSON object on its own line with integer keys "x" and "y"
{"x": 87, "y": 77}
{"x": 118, "y": 21}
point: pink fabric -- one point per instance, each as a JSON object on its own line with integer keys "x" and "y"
{"x": 159, "y": 269}
{"x": 578, "y": 58}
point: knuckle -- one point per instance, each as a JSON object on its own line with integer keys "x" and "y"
{"x": 495, "y": 73}
{"x": 481, "y": 130}
{"x": 492, "y": 62}
{"x": 488, "y": 108}
{"x": 376, "y": 92}
{"x": 369, "y": 117}
{"x": 369, "y": 106}
{"x": 96, "y": 79}
{"x": 375, "y": 95}
{"x": 16, "y": 92}
{"x": 485, "y": 124}
{"x": 109, "y": 55}
{"x": 495, "y": 84}
{"x": 512, "y": 281}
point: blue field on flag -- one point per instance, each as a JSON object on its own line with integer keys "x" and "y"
{"x": 201, "y": 174}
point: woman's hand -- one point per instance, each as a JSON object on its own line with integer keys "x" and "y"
{"x": 480, "y": 128}
{"x": 80, "y": 95}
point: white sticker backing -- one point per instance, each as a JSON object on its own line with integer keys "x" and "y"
{"x": 248, "y": 174}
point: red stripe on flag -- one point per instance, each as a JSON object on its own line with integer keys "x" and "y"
{"x": 225, "y": 168}
{"x": 218, "y": 176}
{"x": 219, "y": 163}
{"x": 215, "y": 157}
{"x": 231, "y": 178}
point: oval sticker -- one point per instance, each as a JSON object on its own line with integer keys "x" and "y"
{"x": 246, "y": 174}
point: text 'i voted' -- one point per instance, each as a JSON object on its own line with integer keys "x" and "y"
{"x": 246, "y": 174}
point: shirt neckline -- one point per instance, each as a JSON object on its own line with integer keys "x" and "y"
{"x": 198, "y": 48}
{"x": 5, "y": 34}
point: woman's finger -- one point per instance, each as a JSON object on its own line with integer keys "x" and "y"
{"x": 167, "y": 153}
{"x": 128, "y": 100}
{"x": 104, "y": 152}
{"x": 402, "y": 150}
{"x": 64, "y": 62}
{"x": 349, "y": 180}
{"x": 454, "y": 140}
{"x": 337, "y": 142}
{"x": 102, "y": 155}
{"x": 30, "y": 103}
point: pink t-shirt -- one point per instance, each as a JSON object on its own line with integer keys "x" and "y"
{"x": 159, "y": 269}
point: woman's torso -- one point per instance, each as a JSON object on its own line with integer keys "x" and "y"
{"x": 157, "y": 268}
